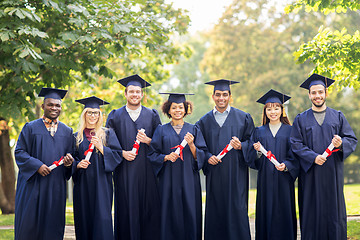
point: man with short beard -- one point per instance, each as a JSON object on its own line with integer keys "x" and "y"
{"x": 41, "y": 192}
{"x": 137, "y": 200}
{"x": 321, "y": 180}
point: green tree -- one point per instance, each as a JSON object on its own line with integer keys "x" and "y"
{"x": 52, "y": 43}
{"x": 187, "y": 77}
{"x": 334, "y": 52}
{"x": 254, "y": 43}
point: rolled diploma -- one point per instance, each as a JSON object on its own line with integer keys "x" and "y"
{"x": 183, "y": 143}
{"x": 57, "y": 163}
{"x": 228, "y": 148}
{"x": 273, "y": 160}
{"x": 330, "y": 147}
{"x": 88, "y": 155}
{"x": 137, "y": 141}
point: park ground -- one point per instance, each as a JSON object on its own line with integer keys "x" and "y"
{"x": 352, "y": 197}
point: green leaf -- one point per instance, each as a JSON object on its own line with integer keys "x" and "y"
{"x": 69, "y": 36}
{"x": 24, "y": 52}
{"x": 121, "y": 28}
{"x": 19, "y": 13}
{"x": 4, "y": 36}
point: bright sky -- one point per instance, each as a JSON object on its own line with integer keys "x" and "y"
{"x": 203, "y": 13}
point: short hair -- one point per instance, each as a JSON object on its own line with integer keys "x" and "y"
{"x": 165, "y": 108}
{"x": 222, "y": 91}
{"x": 126, "y": 89}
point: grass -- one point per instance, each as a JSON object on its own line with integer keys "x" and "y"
{"x": 353, "y": 230}
{"x": 352, "y": 198}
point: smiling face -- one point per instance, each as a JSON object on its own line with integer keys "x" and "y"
{"x": 52, "y": 108}
{"x": 133, "y": 95}
{"x": 317, "y": 96}
{"x": 273, "y": 112}
{"x": 92, "y": 117}
{"x": 177, "y": 111}
{"x": 221, "y": 99}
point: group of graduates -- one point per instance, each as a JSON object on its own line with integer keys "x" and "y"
{"x": 154, "y": 169}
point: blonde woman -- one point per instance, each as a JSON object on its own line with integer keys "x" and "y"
{"x": 93, "y": 192}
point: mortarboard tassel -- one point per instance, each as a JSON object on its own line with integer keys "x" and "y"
{"x": 189, "y": 111}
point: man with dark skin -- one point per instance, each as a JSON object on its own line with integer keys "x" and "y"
{"x": 41, "y": 193}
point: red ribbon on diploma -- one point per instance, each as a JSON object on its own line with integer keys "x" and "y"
{"x": 330, "y": 152}
{"x": 89, "y": 149}
{"x": 224, "y": 151}
{"x": 136, "y": 146}
{"x": 57, "y": 163}
{"x": 181, "y": 151}
{"x": 269, "y": 155}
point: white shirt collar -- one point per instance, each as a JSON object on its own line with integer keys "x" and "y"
{"x": 134, "y": 114}
{"x": 227, "y": 110}
{"x": 133, "y": 111}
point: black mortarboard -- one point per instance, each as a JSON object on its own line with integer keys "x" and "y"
{"x": 221, "y": 84}
{"x": 316, "y": 79}
{"x": 92, "y": 102}
{"x": 273, "y": 96}
{"x": 177, "y": 97}
{"x": 134, "y": 80}
{"x": 52, "y": 93}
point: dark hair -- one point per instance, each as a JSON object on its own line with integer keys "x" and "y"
{"x": 324, "y": 87}
{"x": 266, "y": 120}
{"x": 165, "y": 108}
{"x": 126, "y": 89}
{"x": 222, "y": 91}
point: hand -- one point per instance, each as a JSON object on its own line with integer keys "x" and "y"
{"x": 320, "y": 160}
{"x": 336, "y": 141}
{"x": 83, "y": 164}
{"x": 213, "y": 160}
{"x": 128, "y": 155}
{"x": 141, "y": 136}
{"x": 171, "y": 157}
{"x": 98, "y": 144}
{"x": 281, "y": 167}
{"x": 257, "y": 146}
{"x": 68, "y": 160}
{"x": 189, "y": 138}
{"x": 44, "y": 170}
{"x": 235, "y": 143}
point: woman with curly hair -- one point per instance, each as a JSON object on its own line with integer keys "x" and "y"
{"x": 178, "y": 174}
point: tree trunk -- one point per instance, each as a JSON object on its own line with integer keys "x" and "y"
{"x": 7, "y": 187}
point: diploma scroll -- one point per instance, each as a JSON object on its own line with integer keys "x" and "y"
{"x": 329, "y": 150}
{"x": 57, "y": 163}
{"x": 88, "y": 152}
{"x": 269, "y": 155}
{"x": 136, "y": 145}
{"x": 224, "y": 151}
{"x": 179, "y": 149}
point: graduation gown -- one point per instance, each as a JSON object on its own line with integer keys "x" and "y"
{"x": 321, "y": 198}
{"x": 227, "y": 183}
{"x": 40, "y": 201}
{"x": 93, "y": 190}
{"x": 275, "y": 199}
{"x": 137, "y": 202}
{"x": 179, "y": 182}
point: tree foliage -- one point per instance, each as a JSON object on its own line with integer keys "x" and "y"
{"x": 335, "y": 52}
{"x": 58, "y": 43}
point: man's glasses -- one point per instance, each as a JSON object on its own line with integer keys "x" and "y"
{"x": 95, "y": 114}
